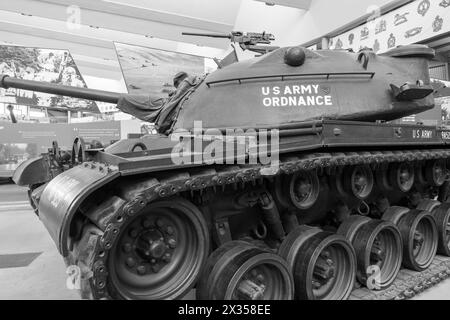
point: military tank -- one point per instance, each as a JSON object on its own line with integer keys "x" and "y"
{"x": 310, "y": 188}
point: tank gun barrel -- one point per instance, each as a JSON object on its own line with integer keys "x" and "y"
{"x": 210, "y": 35}
{"x": 51, "y": 88}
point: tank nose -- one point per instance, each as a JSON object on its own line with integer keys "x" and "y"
{"x": 295, "y": 56}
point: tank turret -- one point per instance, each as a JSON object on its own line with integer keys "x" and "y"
{"x": 341, "y": 85}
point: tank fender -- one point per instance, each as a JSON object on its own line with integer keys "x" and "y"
{"x": 64, "y": 194}
{"x": 32, "y": 171}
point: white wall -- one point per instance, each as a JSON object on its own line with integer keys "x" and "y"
{"x": 105, "y": 84}
{"x": 294, "y": 26}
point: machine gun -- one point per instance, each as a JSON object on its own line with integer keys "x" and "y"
{"x": 247, "y": 41}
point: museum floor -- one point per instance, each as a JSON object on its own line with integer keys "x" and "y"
{"x": 30, "y": 266}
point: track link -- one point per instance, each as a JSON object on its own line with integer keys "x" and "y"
{"x": 409, "y": 283}
{"x": 90, "y": 253}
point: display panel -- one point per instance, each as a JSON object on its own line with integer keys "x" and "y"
{"x": 47, "y": 65}
{"x": 151, "y": 71}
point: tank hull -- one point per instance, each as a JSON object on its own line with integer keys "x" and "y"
{"x": 111, "y": 187}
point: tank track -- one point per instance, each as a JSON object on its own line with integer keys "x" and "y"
{"x": 90, "y": 253}
{"x": 409, "y": 283}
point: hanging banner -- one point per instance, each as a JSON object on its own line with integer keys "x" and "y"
{"x": 412, "y": 23}
{"x": 47, "y": 65}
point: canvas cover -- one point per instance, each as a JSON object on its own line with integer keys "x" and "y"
{"x": 157, "y": 110}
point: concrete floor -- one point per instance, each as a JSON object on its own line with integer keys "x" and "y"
{"x": 22, "y": 232}
{"x": 44, "y": 278}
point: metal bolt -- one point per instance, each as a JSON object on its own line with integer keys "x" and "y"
{"x": 172, "y": 243}
{"x": 260, "y": 278}
{"x": 337, "y": 131}
{"x": 418, "y": 289}
{"x": 130, "y": 262}
{"x": 159, "y": 223}
{"x": 248, "y": 290}
{"x": 155, "y": 268}
{"x": 325, "y": 254}
{"x": 126, "y": 248}
{"x": 133, "y": 233}
{"x": 146, "y": 223}
{"x": 316, "y": 284}
{"x": 167, "y": 257}
{"x": 141, "y": 270}
{"x": 408, "y": 293}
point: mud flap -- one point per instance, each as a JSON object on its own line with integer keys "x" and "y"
{"x": 32, "y": 171}
{"x": 63, "y": 195}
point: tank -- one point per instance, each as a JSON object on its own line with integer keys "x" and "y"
{"x": 286, "y": 176}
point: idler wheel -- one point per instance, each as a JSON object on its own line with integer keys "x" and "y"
{"x": 304, "y": 188}
{"x": 401, "y": 176}
{"x": 239, "y": 270}
{"x": 323, "y": 264}
{"x": 160, "y": 252}
{"x": 436, "y": 172}
{"x": 441, "y": 213}
{"x": 378, "y": 247}
{"x": 358, "y": 181}
{"x": 419, "y": 234}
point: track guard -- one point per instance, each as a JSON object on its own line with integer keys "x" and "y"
{"x": 64, "y": 194}
{"x": 32, "y": 171}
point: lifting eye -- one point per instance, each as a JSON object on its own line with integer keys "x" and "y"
{"x": 295, "y": 56}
